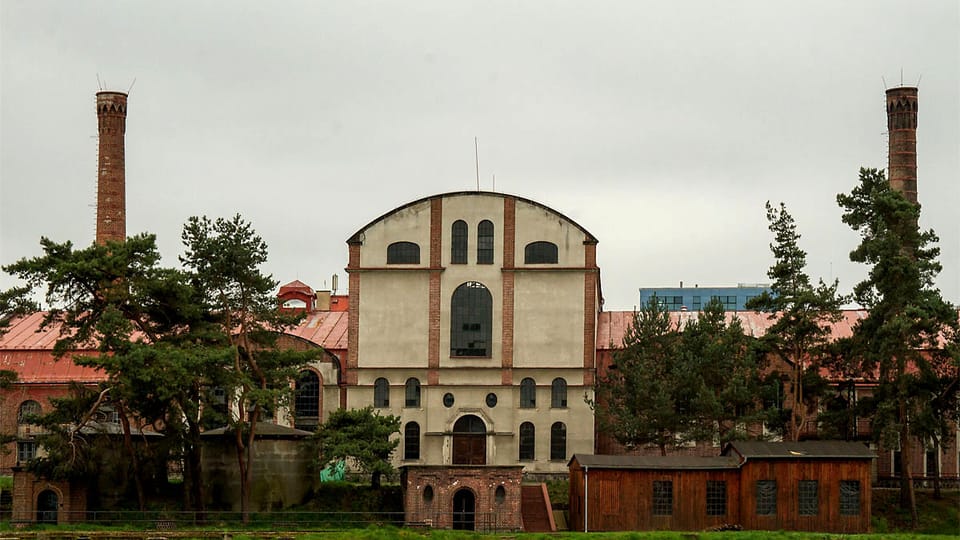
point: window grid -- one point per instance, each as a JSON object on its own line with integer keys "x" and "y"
{"x": 766, "y": 497}
{"x": 412, "y": 393}
{"x": 528, "y": 393}
{"x": 458, "y": 245}
{"x": 381, "y": 393}
{"x": 540, "y": 253}
{"x": 403, "y": 253}
{"x": 849, "y": 497}
{"x": 528, "y": 441}
{"x": 485, "y": 242}
{"x": 307, "y": 403}
{"x": 411, "y": 441}
{"x": 558, "y": 441}
{"x": 558, "y": 394}
{"x": 26, "y": 450}
{"x": 471, "y": 320}
{"x": 670, "y": 303}
{"x": 808, "y": 497}
{"x": 716, "y": 497}
{"x": 662, "y": 497}
{"x": 27, "y": 409}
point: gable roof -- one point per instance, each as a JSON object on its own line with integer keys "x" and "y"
{"x": 799, "y": 450}
{"x": 655, "y": 462}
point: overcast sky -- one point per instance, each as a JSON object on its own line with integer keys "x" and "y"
{"x": 660, "y": 127}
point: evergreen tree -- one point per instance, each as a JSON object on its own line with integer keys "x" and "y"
{"x": 803, "y": 315}
{"x": 909, "y": 337}
{"x": 361, "y": 435}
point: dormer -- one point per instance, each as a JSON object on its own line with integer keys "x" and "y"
{"x": 296, "y": 296}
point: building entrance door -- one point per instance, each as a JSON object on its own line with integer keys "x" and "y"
{"x": 469, "y": 441}
{"x": 47, "y": 505}
{"x": 464, "y": 510}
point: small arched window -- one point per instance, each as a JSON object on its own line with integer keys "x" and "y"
{"x": 558, "y": 441}
{"x": 28, "y": 409}
{"x": 485, "y": 242}
{"x": 471, "y": 320}
{"x": 381, "y": 393}
{"x": 540, "y": 253}
{"x": 558, "y": 394}
{"x": 403, "y": 253}
{"x": 411, "y": 441}
{"x": 528, "y": 393}
{"x": 412, "y": 393}
{"x": 528, "y": 441}
{"x": 307, "y": 403}
{"x": 458, "y": 244}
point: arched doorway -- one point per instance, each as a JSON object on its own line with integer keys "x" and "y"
{"x": 464, "y": 510}
{"x": 47, "y": 506}
{"x": 469, "y": 441}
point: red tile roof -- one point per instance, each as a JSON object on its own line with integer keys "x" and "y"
{"x": 325, "y": 328}
{"x": 295, "y": 285}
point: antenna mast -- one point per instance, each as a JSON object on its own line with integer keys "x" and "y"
{"x": 476, "y": 157}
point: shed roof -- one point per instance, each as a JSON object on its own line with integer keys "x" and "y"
{"x": 800, "y": 450}
{"x": 655, "y": 462}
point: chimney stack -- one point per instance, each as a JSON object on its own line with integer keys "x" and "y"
{"x": 902, "y": 135}
{"x": 111, "y": 189}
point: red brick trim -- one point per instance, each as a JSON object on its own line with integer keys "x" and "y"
{"x": 590, "y": 313}
{"x": 509, "y": 251}
{"x": 433, "y": 316}
{"x": 353, "y": 322}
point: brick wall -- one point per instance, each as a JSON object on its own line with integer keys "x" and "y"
{"x": 429, "y": 491}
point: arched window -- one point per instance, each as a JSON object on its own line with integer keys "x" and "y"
{"x": 27, "y": 409}
{"x": 458, "y": 244}
{"x": 469, "y": 441}
{"x": 381, "y": 393}
{"x": 528, "y": 441}
{"x": 471, "y": 320}
{"x": 528, "y": 393}
{"x": 485, "y": 242}
{"x": 558, "y": 441}
{"x": 540, "y": 253}
{"x": 558, "y": 394}
{"x": 411, "y": 441}
{"x": 307, "y": 402}
{"x": 412, "y": 393}
{"x": 403, "y": 253}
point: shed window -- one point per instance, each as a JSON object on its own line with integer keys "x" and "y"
{"x": 471, "y": 320}
{"x": 381, "y": 393}
{"x": 528, "y": 441}
{"x": 807, "y": 495}
{"x": 849, "y": 497}
{"x": 28, "y": 409}
{"x": 558, "y": 394}
{"x": 662, "y": 497}
{"x": 540, "y": 253}
{"x": 766, "y": 497}
{"x": 403, "y": 253}
{"x": 412, "y": 393}
{"x": 411, "y": 441}
{"x": 716, "y": 497}
{"x": 558, "y": 441}
{"x": 485, "y": 242}
{"x": 528, "y": 393}
{"x": 458, "y": 244}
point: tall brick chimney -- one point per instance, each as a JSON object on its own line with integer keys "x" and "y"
{"x": 111, "y": 189}
{"x": 902, "y": 133}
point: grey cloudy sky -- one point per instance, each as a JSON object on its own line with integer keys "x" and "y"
{"x": 661, "y": 127}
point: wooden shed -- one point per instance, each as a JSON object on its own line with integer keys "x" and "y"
{"x": 624, "y": 493}
{"x": 808, "y": 486}
{"x": 804, "y": 486}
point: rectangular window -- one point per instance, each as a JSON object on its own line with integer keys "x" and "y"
{"x": 26, "y": 450}
{"x": 662, "y": 497}
{"x": 808, "y": 497}
{"x": 716, "y": 497}
{"x": 766, "y": 497}
{"x": 931, "y": 468}
{"x": 696, "y": 303}
{"x": 849, "y": 497}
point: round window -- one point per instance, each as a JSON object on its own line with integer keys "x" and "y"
{"x": 428, "y": 494}
{"x": 491, "y": 400}
{"x": 448, "y": 400}
{"x": 500, "y": 495}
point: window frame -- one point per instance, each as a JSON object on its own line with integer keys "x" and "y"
{"x": 459, "y": 242}
{"x": 766, "y": 497}
{"x": 558, "y": 441}
{"x": 808, "y": 497}
{"x": 411, "y": 393}
{"x": 527, "y": 444}
{"x": 850, "y": 495}
{"x": 306, "y": 395}
{"x": 558, "y": 393}
{"x": 381, "y": 393}
{"x": 485, "y": 242}
{"x": 661, "y": 501}
{"x": 28, "y": 407}
{"x": 411, "y": 441}
{"x": 471, "y": 321}
{"x": 403, "y": 252}
{"x": 541, "y": 252}
{"x": 26, "y": 450}
{"x": 716, "y": 497}
{"x": 528, "y": 393}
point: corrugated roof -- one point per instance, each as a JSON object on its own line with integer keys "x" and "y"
{"x": 655, "y": 462}
{"x": 26, "y": 333}
{"x": 41, "y": 367}
{"x": 799, "y": 450}
{"x": 327, "y": 329}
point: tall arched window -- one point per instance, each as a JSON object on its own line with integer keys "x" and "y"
{"x": 540, "y": 253}
{"x": 412, "y": 393}
{"x": 469, "y": 441}
{"x": 558, "y": 441}
{"x": 411, "y": 441}
{"x": 528, "y": 441}
{"x": 27, "y": 409}
{"x": 528, "y": 393}
{"x": 381, "y": 393}
{"x": 558, "y": 394}
{"x": 403, "y": 253}
{"x": 471, "y": 320}
{"x": 485, "y": 242}
{"x": 307, "y": 402}
{"x": 458, "y": 244}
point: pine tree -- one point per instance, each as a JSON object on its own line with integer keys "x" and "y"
{"x": 361, "y": 435}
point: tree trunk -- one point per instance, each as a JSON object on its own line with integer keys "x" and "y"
{"x": 134, "y": 461}
{"x": 936, "y": 471}
{"x": 242, "y": 466}
{"x": 194, "y": 465}
{"x": 908, "y": 496}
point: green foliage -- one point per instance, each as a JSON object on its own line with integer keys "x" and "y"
{"x": 803, "y": 315}
{"x": 362, "y": 436}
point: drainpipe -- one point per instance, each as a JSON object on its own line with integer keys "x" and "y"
{"x": 586, "y": 496}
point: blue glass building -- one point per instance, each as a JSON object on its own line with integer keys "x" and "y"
{"x": 695, "y": 298}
